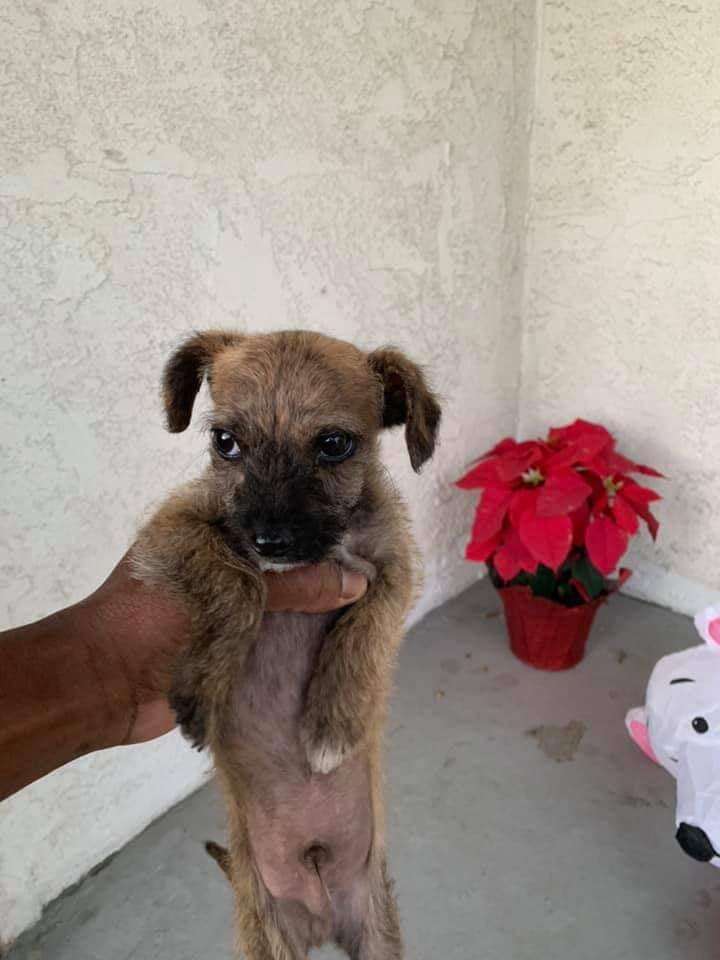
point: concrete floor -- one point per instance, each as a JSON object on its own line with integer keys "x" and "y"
{"x": 524, "y": 825}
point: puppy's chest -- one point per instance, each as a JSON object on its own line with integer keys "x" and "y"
{"x": 269, "y": 695}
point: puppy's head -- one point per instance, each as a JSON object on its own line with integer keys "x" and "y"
{"x": 294, "y": 430}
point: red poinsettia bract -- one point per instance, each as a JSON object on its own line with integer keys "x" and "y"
{"x": 543, "y": 499}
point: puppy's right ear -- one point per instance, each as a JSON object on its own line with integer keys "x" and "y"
{"x": 185, "y": 370}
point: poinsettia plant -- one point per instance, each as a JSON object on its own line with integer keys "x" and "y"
{"x": 557, "y": 514}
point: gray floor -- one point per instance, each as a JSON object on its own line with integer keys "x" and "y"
{"x": 524, "y": 825}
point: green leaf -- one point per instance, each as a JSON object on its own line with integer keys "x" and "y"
{"x": 589, "y": 576}
{"x": 544, "y": 583}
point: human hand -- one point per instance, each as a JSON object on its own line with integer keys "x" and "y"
{"x": 144, "y": 631}
{"x": 96, "y": 674}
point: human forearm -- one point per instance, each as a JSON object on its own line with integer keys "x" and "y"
{"x": 58, "y": 701}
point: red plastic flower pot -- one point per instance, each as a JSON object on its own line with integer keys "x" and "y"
{"x": 544, "y": 634}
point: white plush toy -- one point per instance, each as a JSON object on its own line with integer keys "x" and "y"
{"x": 679, "y": 728}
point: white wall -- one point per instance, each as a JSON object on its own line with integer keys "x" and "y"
{"x": 362, "y": 169}
{"x": 352, "y": 167}
{"x": 622, "y": 280}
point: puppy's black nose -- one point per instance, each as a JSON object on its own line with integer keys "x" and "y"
{"x": 272, "y": 541}
{"x": 695, "y": 842}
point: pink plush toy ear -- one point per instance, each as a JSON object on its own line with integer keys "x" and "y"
{"x": 708, "y": 626}
{"x": 637, "y": 728}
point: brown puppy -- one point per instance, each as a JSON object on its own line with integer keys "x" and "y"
{"x": 292, "y": 705}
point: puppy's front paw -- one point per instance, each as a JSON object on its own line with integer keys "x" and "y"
{"x": 325, "y": 748}
{"x": 189, "y": 718}
{"x": 326, "y": 756}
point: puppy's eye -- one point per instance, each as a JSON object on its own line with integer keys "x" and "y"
{"x": 226, "y": 444}
{"x": 700, "y": 725}
{"x": 335, "y": 447}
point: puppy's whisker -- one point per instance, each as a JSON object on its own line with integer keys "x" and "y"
{"x": 206, "y": 422}
{"x": 389, "y": 478}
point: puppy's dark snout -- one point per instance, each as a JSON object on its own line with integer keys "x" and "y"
{"x": 695, "y": 842}
{"x": 271, "y": 540}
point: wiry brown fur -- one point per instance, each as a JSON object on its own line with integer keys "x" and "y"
{"x": 292, "y": 706}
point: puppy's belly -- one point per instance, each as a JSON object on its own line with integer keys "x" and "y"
{"x": 296, "y": 820}
{"x": 322, "y": 825}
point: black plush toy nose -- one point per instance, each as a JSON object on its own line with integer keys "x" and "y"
{"x": 695, "y": 842}
{"x": 272, "y": 541}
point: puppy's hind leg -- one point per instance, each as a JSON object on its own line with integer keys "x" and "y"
{"x": 376, "y": 934}
{"x": 262, "y": 932}
{"x": 261, "y": 937}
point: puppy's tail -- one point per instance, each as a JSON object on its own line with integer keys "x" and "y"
{"x": 221, "y": 856}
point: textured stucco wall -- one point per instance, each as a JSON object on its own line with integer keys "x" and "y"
{"x": 354, "y": 167}
{"x": 622, "y": 281}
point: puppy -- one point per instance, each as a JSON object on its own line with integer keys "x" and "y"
{"x": 292, "y": 705}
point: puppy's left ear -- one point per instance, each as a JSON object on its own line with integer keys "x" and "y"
{"x": 407, "y": 399}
